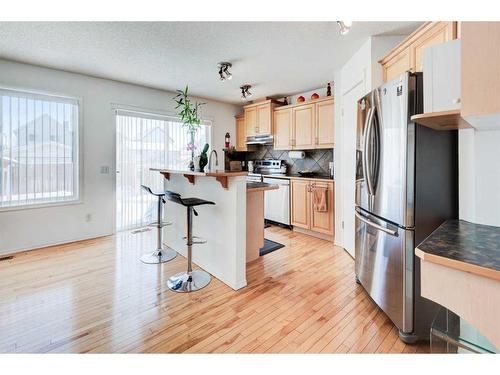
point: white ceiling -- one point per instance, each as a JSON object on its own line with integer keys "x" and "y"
{"x": 276, "y": 58}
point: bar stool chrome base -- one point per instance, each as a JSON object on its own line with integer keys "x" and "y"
{"x": 185, "y": 283}
{"x": 159, "y": 256}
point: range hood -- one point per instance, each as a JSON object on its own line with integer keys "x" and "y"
{"x": 260, "y": 140}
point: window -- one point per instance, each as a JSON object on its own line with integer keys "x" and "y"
{"x": 146, "y": 141}
{"x": 38, "y": 149}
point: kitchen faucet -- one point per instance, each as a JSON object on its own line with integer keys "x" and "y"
{"x": 210, "y": 160}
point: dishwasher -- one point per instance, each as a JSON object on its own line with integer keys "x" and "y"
{"x": 277, "y": 202}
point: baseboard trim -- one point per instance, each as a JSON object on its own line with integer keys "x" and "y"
{"x": 46, "y": 246}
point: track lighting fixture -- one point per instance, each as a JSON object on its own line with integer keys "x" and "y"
{"x": 245, "y": 92}
{"x": 224, "y": 71}
{"x": 344, "y": 27}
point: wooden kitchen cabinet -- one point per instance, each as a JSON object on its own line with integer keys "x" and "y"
{"x": 259, "y": 117}
{"x": 282, "y": 129}
{"x": 264, "y": 119}
{"x": 305, "y": 126}
{"x": 407, "y": 55}
{"x": 241, "y": 135}
{"x": 322, "y": 222}
{"x": 300, "y": 203}
{"x": 303, "y": 214}
{"x": 480, "y": 74}
{"x": 435, "y": 33}
{"x": 303, "y": 133}
{"x": 251, "y": 121}
{"x": 397, "y": 64}
{"x": 324, "y": 124}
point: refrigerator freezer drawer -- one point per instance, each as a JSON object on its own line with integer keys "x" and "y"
{"x": 384, "y": 266}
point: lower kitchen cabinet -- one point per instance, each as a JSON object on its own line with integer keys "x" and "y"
{"x": 301, "y": 204}
{"x": 304, "y": 215}
{"x": 322, "y": 222}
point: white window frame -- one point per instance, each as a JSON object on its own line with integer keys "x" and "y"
{"x": 77, "y": 154}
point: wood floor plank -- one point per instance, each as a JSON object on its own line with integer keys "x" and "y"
{"x": 95, "y": 296}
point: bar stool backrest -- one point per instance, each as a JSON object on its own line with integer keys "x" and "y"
{"x": 148, "y": 189}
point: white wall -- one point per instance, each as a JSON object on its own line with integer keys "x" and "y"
{"x": 31, "y": 228}
{"x": 361, "y": 74}
{"x": 479, "y": 176}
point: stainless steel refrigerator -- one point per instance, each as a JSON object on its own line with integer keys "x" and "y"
{"x": 406, "y": 186}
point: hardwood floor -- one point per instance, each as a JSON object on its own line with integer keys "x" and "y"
{"x": 96, "y": 296}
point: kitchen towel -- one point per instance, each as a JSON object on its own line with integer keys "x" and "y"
{"x": 319, "y": 199}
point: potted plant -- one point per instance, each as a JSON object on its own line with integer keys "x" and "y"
{"x": 189, "y": 115}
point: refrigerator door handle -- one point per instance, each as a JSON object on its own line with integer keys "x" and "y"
{"x": 366, "y": 137}
{"x": 391, "y": 232}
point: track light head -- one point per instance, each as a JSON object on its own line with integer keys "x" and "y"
{"x": 245, "y": 92}
{"x": 344, "y": 27}
{"x": 224, "y": 70}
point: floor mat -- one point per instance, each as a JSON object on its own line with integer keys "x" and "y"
{"x": 269, "y": 246}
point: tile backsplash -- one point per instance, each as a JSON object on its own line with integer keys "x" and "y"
{"x": 315, "y": 160}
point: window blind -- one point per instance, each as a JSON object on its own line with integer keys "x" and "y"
{"x": 38, "y": 148}
{"x": 143, "y": 141}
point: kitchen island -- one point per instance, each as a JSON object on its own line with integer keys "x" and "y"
{"x": 223, "y": 226}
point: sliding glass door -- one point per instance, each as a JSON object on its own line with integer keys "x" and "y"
{"x": 146, "y": 141}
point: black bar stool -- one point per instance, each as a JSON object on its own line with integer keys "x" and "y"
{"x": 160, "y": 255}
{"x": 189, "y": 281}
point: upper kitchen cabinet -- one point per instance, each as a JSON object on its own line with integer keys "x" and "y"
{"x": 241, "y": 133}
{"x": 408, "y": 55}
{"x": 324, "y": 124}
{"x": 282, "y": 129}
{"x": 396, "y": 64}
{"x": 264, "y": 119}
{"x": 480, "y": 74}
{"x": 259, "y": 118}
{"x": 250, "y": 121}
{"x": 304, "y": 126}
{"x": 303, "y": 132}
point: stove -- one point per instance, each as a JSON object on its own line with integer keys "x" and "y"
{"x": 269, "y": 166}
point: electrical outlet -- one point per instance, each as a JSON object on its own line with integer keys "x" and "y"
{"x": 88, "y": 217}
{"x": 104, "y": 169}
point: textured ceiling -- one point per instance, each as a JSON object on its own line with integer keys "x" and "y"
{"x": 277, "y": 58}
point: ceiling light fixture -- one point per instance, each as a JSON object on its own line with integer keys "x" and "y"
{"x": 245, "y": 92}
{"x": 224, "y": 71}
{"x": 344, "y": 27}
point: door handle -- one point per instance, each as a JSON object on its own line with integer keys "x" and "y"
{"x": 366, "y": 136}
{"x": 375, "y": 225}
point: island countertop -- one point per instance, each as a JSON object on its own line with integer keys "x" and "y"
{"x": 214, "y": 173}
{"x": 220, "y": 175}
{"x": 465, "y": 246}
{"x": 260, "y": 186}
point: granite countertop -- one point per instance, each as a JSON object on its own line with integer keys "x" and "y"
{"x": 462, "y": 241}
